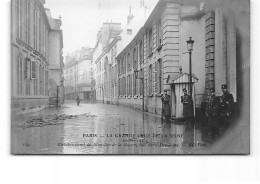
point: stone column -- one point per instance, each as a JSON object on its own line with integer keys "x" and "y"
{"x": 220, "y": 51}
{"x": 170, "y": 52}
{"x": 231, "y": 55}
{"x": 210, "y": 50}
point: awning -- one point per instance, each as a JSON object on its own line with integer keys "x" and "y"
{"x": 181, "y": 78}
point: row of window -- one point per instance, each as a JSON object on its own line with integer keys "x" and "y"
{"x": 130, "y": 85}
{"x": 153, "y": 40}
{"x": 30, "y": 22}
{"x": 32, "y": 78}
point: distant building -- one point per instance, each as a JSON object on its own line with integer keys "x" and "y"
{"x": 104, "y": 60}
{"x": 32, "y": 56}
{"x": 77, "y": 75}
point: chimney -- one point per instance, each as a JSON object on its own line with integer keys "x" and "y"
{"x": 130, "y": 16}
{"x": 141, "y": 3}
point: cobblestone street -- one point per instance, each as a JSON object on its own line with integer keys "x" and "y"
{"x": 103, "y": 129}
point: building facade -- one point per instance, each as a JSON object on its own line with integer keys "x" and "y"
{"x": 30, "y": 56}
{"x": 104, "y": 55}
{"x": 77, "y": 75}
{"x": 56, "y": 65}
{"x": 156, "y": 59}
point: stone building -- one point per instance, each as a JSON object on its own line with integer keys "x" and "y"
{"x": 77, "y": 75}
{"x": 56, "y": 65}
{"x": 31, "y": 55}
{"x": 104, "y": 60}
{"x": 158, "y": 53}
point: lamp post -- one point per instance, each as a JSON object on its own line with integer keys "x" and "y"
{"x": 142, "y": 78}
{"x": 190, "y": 43}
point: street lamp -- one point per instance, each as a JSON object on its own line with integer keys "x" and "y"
{"x": 141, "y": 78}
{"x": 190, "y": 43}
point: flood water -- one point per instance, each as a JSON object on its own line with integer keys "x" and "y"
{"x": 110, "y": 129}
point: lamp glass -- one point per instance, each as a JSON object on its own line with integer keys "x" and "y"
{"x": 190, "y": 44}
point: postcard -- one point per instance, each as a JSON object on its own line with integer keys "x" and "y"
{"x": 130, "y": 77}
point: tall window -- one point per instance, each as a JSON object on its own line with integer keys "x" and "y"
{"x": 46, "y": 41}
{"x": 43, "y": 38}
{"x": 28, "y": 23}
{"x": 125, "y": 86}
{"x": 150, "y": 79}
{"x": 134, "y": 84}
{"x": 115, "y": 51}
{"x": 46, "y": 82}
{"x": 19, "y": 70}
{"x": 35, "y": 28}
{"x": 112, "y": 56}
{"x": 141, "y": 75}
{"x": 43, "y": 35}
{"x": 159, "y": 33}
{"x": 27, "y": 76}
{"x": 124, "y": 65}
{"x": 130, "y": 85}
{"x": 27, "y": 79}
{"x": 158, "y": 77}
{"x": 40, "y": 33}
{"x": 134, "y": 58}
{"x": 150, "y": 41}
{"x": 34, "y": 78}
{"x": 128, "y": 61}
{"x": 19, "y": 18}
{"x": 118, "y": 66}
{"x": 119, "y": 89}
{"x": 141, "y": 51}
{"x": 41, "y": 79}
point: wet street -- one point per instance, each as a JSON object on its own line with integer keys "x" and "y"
{"x": 104, "y": 129}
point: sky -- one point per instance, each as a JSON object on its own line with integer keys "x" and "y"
{"x": 81, "y": 19}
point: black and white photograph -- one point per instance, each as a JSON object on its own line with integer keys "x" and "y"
{"x": 130, "y": 77}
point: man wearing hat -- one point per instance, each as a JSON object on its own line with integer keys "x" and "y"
{"x": 212, "y": 113}
{"x": 186, "y": 100}
{"x": 166, "y": 110}
{"x": 226, "y": 102}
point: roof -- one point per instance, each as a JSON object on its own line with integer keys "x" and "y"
{"x": 180, "y": 78}
{"x": 108, "y": 48}
{"x": 139, "y": 23}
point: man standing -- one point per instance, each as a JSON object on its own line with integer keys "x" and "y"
{"x": 226, "y": 102}
{"x": 166, "y": 110}
{"x": 78, "y": 100}
{"x": 212, "y": 113}
{"x": 186, "y": 100}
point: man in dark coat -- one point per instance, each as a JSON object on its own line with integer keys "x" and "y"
{"x": 78, "y": 100}
{"x": 166, "y": 110}
{"x": 226, "y": 102}
{"x": 186, "y": 100}
{"x": 212, "y": 113}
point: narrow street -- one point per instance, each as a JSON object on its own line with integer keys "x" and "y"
{"x": 103, "y": 129}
